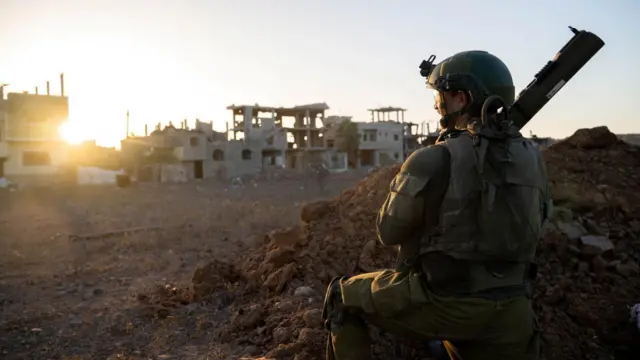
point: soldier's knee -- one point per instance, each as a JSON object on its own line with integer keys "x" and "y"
{"x": 333, "y": 312}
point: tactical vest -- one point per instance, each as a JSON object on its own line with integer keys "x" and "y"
{"x": 493, "y": 210}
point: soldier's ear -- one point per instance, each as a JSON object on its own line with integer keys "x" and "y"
{"x": 462, "y": 98}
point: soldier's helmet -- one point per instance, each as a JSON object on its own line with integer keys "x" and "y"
{"x": 476, "y": 72}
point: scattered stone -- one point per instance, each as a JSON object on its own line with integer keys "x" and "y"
{"x": 279, "y": 279}
{"x": 628, "y": 269}
{"x": 304, "y": 291}
{"x": 251, "y": 350}
{"x": 285, "y": 306}
{"x": 593, "y": 227}
{"x": 572, "y": 230}
{"x": 310, "y": 335}
{"x": 287, "y": 238}
{"x": 280, "y": 256}
{"x": 562, "y": 214}
{"x": 282, "y": 335}
{"x": 284, "y": 351}
{"x": 596, "y": 245}
{"x": 313, "y": 318}
{"x": 249, "y": 317}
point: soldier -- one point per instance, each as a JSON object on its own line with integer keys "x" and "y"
{"x": 467, "y": 213}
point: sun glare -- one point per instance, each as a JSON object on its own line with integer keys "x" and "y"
{"x": 71, "y": 133}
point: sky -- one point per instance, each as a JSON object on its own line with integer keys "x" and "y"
{"x": 171, "y": 60}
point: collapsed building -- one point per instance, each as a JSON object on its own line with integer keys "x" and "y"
{"x": 281, "y": 137}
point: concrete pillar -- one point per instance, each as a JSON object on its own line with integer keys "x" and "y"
{"x": 248, "y": 116}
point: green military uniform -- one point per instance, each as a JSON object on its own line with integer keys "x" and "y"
{"x": 467, "y": 215}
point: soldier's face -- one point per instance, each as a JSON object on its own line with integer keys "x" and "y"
{"x": 448, "y": 102}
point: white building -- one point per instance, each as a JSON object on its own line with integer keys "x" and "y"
{"x": 381, "y": 143}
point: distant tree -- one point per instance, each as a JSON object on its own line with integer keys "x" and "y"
{"x": 348, "y": 140}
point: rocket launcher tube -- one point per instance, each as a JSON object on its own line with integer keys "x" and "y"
{"x": 554, "y": 75}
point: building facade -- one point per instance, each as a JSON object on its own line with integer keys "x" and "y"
{"x": 31, "y": 150}
{"x": 381, "y": 143}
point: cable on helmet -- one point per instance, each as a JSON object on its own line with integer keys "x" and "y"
{"x": 491, "y": 116}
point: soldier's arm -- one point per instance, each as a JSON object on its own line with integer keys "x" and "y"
{"x": 417, "y": 189}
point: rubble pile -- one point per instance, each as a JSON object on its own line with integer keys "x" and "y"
{"x": 588, "y": 276}
{"x": 588, "y": 262}
{"x": 293, "y": 267}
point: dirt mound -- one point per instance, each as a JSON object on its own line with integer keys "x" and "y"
{"x": 596, "y": 138}
{"x": 589, "y": 257}
{"x": 588, "y": 261}
{"x": 335, "y": 238}
{"x": 606, "y": 175}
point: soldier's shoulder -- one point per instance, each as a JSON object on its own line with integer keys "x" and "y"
{"x": 427, "y": 160}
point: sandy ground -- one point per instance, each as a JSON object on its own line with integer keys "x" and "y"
{"x": 75, "y": 262}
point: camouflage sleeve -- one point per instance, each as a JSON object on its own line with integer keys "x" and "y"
{"x": 418, "y": 188}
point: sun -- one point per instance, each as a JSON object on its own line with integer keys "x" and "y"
{"x": 72, "y": 133}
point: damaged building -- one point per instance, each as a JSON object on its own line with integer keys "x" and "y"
{"x": 386, "y": 139}
{"x": 286, "y": 137}
{"x": 257, "y": 138}
{"x": 171, "y": 153}
{"x": 262, "y": 137}
{"x": 31, "y": 150}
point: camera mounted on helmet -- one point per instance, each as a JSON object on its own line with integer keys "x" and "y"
{"x": 427, "y": 66}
